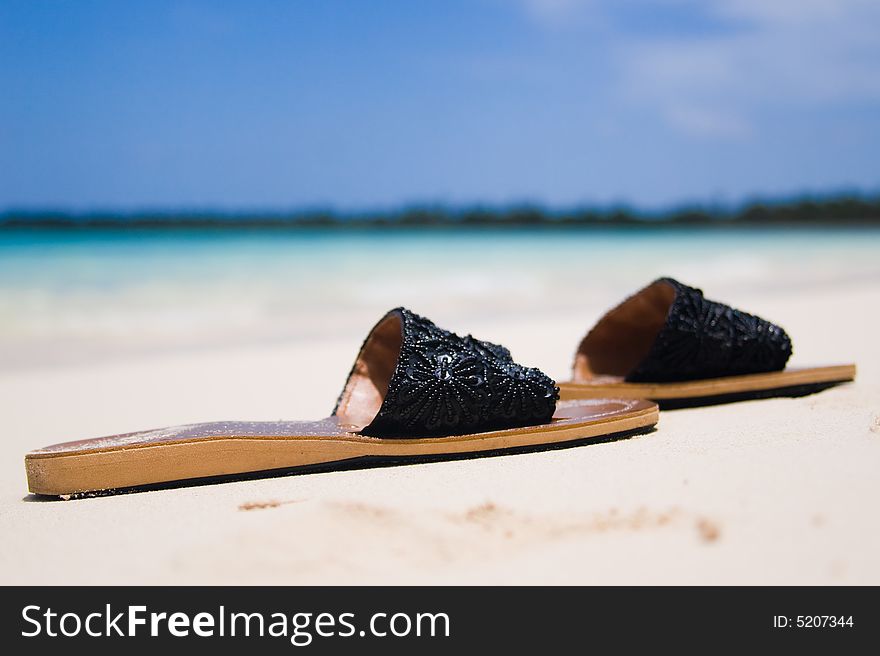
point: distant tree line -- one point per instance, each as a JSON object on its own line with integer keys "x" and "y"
{"x": 850, "y": 210}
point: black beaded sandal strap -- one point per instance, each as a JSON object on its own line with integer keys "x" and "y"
{"x": 413, "y": 379}
{"x": 670, "y": 332}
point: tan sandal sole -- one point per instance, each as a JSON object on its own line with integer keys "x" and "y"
{"x": 796, "y": 380}
{"x": 197, "y": 451}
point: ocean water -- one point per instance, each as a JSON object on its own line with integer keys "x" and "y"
{"x": 69, "y": 296}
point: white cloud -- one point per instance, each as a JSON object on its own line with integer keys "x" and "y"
{"x": 557, "y": 13}
{"x": 785, "y": 12}
{"x": 707, "y": 122}
{"x": 779, "y": 55}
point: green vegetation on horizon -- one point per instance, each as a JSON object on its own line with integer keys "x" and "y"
{"x": 828, "y": 211}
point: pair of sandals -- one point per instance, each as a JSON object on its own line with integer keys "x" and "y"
{"x": 418, "y": 391}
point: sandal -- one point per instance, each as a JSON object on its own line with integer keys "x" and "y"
{"x": 670, "y": 344}
{"x": 415, "y": 391}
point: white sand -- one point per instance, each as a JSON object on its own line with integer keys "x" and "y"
{"x": 775, "y": 491}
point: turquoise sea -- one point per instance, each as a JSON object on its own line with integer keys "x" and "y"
{"x": 69, "y": 295}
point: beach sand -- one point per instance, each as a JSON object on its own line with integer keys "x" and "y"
{"x": 780, "y": 491}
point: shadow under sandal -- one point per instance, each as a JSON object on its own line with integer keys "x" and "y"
{"x": 415, "y": 391}
{"x": 671, "y": 344}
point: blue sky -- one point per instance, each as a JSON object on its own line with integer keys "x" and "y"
{"x": 357, "y": 104}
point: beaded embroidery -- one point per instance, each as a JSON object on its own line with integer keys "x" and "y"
{"x": 707, "y": 339}
{"x": 445, "y": 384}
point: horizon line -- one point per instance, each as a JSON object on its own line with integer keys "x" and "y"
{"x": 856, "y": 210}
{"x": 717, "y": 206}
